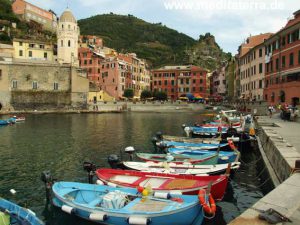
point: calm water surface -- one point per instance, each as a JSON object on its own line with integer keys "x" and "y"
{"x": 61, "y": 143}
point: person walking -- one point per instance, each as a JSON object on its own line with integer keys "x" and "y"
{"x": 271, "y": 109}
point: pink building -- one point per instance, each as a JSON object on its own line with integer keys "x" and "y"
{"x": 218, "y": 83}
{"x": 114, "y": 73}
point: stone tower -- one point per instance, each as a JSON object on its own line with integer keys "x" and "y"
{"x": 67, "y": 39}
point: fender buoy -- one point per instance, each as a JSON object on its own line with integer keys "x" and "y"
{"x": 231, "y": 144}
{"x": 208, "y": 208}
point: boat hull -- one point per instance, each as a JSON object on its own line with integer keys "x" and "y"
{"x": 18, "y": 213}
{"x": 182, "y": 216}
{"x": 162, "y": 182}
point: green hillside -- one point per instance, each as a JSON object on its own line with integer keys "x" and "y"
{"x": 155, "y": 42}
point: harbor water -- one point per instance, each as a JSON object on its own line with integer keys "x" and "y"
{"x": 62, "y": 142}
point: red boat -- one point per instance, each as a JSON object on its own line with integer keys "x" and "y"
{"x": 161, "y": 182}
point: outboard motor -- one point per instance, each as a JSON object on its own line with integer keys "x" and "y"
{"x": 90, "y": 168}
{"x": 159, "y": 135}
{"x": 130, "y": 150}
{"x": 154, "y": 140}
{"x": 187, "y": 130}
{"x": 113, "y": 160}
{"x": 47, "y": 178}
{"x": 162, "y": 147}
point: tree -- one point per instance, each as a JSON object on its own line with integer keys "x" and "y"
{"x": 160, "y": 95}
{"x": 128, "y": 93}
{"x": 146, "y": 94}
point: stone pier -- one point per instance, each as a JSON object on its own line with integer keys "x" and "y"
{"x": 280, "y": 142}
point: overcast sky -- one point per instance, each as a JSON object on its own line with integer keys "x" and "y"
{"x": 230, "y": 21}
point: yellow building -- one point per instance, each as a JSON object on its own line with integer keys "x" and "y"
{"x": 99, "y": 96}
{"x": 32, "y": 49}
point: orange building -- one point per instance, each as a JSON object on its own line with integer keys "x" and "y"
{"x": 177, "y": 81}
{"x": 282, "y": 77}
{"x": 30, "y": 12}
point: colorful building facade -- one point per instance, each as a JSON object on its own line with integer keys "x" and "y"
{"x": 282, "y": 80}
{"x": 178, "y": 81}
{"x": 33, "y": 50}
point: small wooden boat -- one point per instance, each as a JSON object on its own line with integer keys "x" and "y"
{"x": 223, "y": 156}
{"x": 189, "y": 140}
{"x": 199, "y": 146}
{"x": 205, "y": 159}
{"x": 186, "y": 168}
{"x": 12, "y": 214}
{"x": 170, "y": 183}
{"x": 19, "y": 118}
{"x": 118, "y": 206}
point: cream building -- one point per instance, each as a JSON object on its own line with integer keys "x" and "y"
{"x": 67, "y": 39}
{"x": 252, "y": 73}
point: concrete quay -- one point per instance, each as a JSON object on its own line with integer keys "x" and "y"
{"x": 280, "y": 142}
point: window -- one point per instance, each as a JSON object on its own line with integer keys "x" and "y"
{"x": 85, "y": 62}
{"x": 69, "y": 43}
{"x": 0, "y": 74}
{"x": 42, "y": 46}
{"x": 283, "y": 61}
{"x": 260, "y": 68}
{"x": 277, "y": 63}
{"x": 260, "y": 52}
{"x": 201, "y": 81}
{"x": 31, "y": 45}
{"x": 194, "y": 89}
{"x": 61, "y": 43}
{"x": 291, "y": 59}
{"x": 194, "y": 81}
{"x": 20, "y": 52}
{"x": 172, "y": 82}
{"x": 30, "y": 54}
{"x": 283, "y": 41}
{"x": 159, "y": 82}
{"x": 14, "y": 84}
{"x": 20, "y": 43}
{"x": 187, "y": 81}
{"x": 45, "y": 55}
{"x": 155, "y": 82}
{"x": 55, "y": 86}
{"x": 201, "y": 89}
{"x": 299, "y": 57}
{"x": 34, "y": 85}
{"x": 91, "y": 61}
{"x": 260, "y": 84}
{"x": 166, "y": 82}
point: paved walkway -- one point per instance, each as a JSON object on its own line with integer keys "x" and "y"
{"x": 289, "y": 130}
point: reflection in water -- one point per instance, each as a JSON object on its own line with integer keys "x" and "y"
{"x": 61, "y": 143}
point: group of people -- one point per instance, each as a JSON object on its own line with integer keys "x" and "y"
{"x": 287, "y": 112}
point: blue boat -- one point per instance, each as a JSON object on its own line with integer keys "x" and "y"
{"x": 199, "y": 146}
{"x": 12, "y": 214}
{"x": 224, "y": 156}
{"x": 120, "y": 206}
{"x": 4, "y": 122}
{"x": 207, "y": 131}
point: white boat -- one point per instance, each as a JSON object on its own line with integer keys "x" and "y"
{"x": 186, "y": 168}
